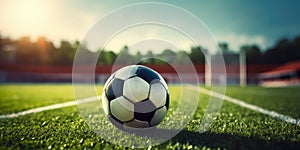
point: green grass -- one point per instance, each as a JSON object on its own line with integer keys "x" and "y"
{"x": 235, "y": 127}
{"x": 14, "y": 98}
{"x": 283, "y": 100}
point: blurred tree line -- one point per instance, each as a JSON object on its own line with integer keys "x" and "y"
{"x": 283, "y": 51}
{"x": 43, "y": 51}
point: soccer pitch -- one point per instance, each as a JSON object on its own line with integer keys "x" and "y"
{"x": 236, "y": 127}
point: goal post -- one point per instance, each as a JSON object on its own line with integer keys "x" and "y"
{"x": 243, "y": 68}
{"x": 236, "y": 68}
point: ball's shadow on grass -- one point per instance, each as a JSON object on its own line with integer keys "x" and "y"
{"x": 231, "y": 141}
{"x": 216, "y": 140}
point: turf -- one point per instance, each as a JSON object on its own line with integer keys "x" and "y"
{"x": 14, "y": 98}
{"x": 235, "y": 127}
{"x": 282, "y": 99}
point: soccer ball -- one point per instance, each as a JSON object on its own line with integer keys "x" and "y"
{"x": 135, "y": 96}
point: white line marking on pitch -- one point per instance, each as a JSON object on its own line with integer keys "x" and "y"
{"x": 50, "y": 107}
{"x": 270, "y": 113}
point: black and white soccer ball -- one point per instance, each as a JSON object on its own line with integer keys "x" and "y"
{"x": 135, "y": 96}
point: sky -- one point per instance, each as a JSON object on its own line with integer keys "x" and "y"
{"x": 236, "y": 22}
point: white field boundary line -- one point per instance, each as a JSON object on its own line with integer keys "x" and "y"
{"x": 270, "y": 113}
{"x": 50, "y": 107}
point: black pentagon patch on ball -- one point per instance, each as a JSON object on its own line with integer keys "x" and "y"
{"x": 144, "y": 110}
{"x": 147, "y": 74}
{"x": 114, "y": 89}
{"x": 144, "y": 116}
{"x": 144, "y": 107}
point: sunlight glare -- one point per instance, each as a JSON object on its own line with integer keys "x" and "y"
{"x": 30, "y": 16}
